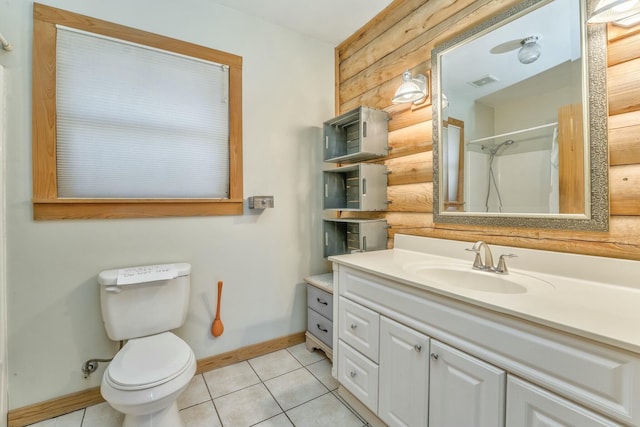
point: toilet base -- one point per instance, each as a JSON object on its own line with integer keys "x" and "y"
{"x": 168, "y": 417}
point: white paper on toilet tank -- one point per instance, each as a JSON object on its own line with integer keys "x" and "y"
{"x": 147, "y": 273}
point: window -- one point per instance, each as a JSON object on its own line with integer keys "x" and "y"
{"x": 126, "y": 142}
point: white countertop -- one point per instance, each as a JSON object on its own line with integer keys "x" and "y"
{"x": 593, "y": 297}
{"x": 322, "y": 281}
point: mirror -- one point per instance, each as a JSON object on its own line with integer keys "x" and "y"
{"x": 520, "y": 121}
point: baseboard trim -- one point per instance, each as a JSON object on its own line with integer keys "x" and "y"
{"x": 54, "y": 407}
{"x": 31, "y": 414}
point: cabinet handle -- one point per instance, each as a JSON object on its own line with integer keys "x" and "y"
{"x": 418, "y": 348}
{"x": 364, "y": 129}
{"x": 364, "y": 186}
{"x": 323, "y": 330}
{"x": 322, "y": 302}
{"x": 434, "y": 356}
{"x": 352, "y": 373}
{"x": 353, "y": 326}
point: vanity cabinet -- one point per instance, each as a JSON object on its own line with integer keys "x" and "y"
{"x": 319, "y": 333}
{"x": 403, "y": 351}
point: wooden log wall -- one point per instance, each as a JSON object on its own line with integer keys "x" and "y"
{"x": 369, "y": 66}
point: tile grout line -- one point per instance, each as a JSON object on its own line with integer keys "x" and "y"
{"x": 303, "y": 365}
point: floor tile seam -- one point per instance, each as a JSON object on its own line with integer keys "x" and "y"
{"x": 350, "y": 408}
{"x": 317, "y": 377}
{"x": 234, "y": 391}
{"x": 298, "y": 360}
{"x": 270, "y": 418}
{"x": 321, "y": 383}
{"x": 274, "y": 399}
{"x": 287, "y": 373}
{"x": 84, "y": 414}
{"x": 215, "y": 408}
{"x": 307, "y": 364}
{"x": 206, "y": 385}
{"x": 307, "y": 401}
{"x": 279, "y": 375}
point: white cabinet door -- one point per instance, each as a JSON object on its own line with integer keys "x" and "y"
{"x": 404, "y": 375}
{"x": 532, "y": 406}
{"x": 464, "y": 391}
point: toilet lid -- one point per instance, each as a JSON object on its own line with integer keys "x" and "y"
{"x": 149, "y": 361}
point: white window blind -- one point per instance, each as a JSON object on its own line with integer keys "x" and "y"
{"x": 138, "y": 122}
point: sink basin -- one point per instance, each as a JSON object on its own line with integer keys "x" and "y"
{"x": 476, "y": 280}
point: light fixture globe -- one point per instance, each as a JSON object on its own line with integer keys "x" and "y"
{"x": 530, "y": 50}
{"x": 411, "y": 90}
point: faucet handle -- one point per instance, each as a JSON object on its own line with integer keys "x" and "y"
{"x": 477, "y": 262}
{"x": 501, "y": 268}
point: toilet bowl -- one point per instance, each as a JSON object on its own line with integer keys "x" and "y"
{"x": 145, "y": 378}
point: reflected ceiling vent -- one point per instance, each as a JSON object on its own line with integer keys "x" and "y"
{"x": 483, "y": 81}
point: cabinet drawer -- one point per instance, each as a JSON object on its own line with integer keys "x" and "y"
{"x": 359, "y": 327}
{"x": 530, "y": 406}
{"x": 320, "y": 326}
{"x": 359, "y": 375}
{"x": 320, "y": 301}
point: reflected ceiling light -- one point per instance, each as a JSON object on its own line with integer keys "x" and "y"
{"x": 530, "y": 50}
{"x": 614, "y": 10}
{"x": 411, "y": 90}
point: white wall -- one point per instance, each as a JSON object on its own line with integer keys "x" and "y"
{"x": 3, "y": 270}
{"x": 54, "y": 320}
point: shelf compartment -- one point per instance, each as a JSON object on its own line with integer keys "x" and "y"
{"x": 359, "y": 187}
{"x": 345, "y": 236}
{"x": 355, "y": 136}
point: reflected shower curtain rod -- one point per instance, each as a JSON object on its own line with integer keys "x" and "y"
{"x": 514, "y": 132}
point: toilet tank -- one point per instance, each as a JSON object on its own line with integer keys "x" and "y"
{"x": 146, "y": 308}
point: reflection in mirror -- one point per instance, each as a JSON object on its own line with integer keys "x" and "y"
{"x": 521, "y": 89}
{"x": 453, "y": 157}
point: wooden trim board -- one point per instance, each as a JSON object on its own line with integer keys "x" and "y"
{"x": 24, "y": 416}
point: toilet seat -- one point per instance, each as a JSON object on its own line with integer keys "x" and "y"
{"x": 148, "y": 362}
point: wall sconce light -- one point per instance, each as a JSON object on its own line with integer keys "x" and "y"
{"x": 412, "y": 89}
{"x": 530, "y": 50}
{"x": 620, "y": 11}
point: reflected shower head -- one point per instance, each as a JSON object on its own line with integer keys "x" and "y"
{"x": 494, "y": 150}
{"x": 507, "y": 142}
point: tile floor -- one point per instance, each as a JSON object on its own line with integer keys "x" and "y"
{"x": 291, "y": 387}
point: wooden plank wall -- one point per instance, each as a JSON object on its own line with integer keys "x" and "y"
{"x": 369, "y": 66}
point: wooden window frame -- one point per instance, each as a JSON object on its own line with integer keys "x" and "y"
{"x": 46, "y": 203}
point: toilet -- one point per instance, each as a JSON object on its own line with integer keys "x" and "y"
{"x": 145, "y": 378}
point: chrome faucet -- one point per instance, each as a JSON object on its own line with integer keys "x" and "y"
{"x": 487, "y": 265}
